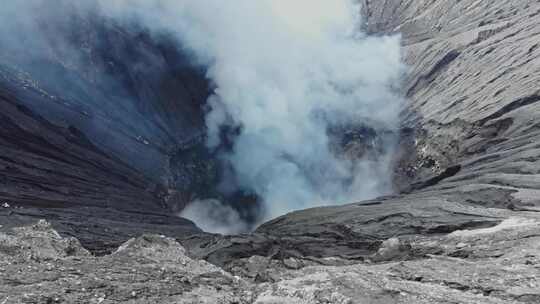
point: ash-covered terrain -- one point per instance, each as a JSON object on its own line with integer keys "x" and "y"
{"x": 90, "y": 191}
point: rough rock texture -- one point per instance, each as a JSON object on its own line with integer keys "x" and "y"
{"x": 492, "y": 265}
{"x": 464, "y": 228}
{"x": 497, "y": 265}
{"x": 39, "y": 266}
{"x": 100, "y": 230}
{"x": 472, "y": 89}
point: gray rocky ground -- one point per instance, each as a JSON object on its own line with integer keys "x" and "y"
{"x": 464, "y": 227}
{"x": 500, "y": 264}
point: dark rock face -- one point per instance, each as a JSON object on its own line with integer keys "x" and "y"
{"x": 360, "y": 141}
{"x": 93, "y": 118}
{"x": 134, "y": 95}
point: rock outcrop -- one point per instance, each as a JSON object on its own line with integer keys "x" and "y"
{"x": 39, "y": 266}
{"x": 500, "y": 264}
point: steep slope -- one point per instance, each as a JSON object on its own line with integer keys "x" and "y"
{"x": 91, "y": 115}
{"x": 470, "y": 127}
{"x": 472, "y": 88}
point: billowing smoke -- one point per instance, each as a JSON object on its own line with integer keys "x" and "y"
{"x": 286, "y": 75}
{"x": 285, "y": 72}
{"x": 215, "y": 216}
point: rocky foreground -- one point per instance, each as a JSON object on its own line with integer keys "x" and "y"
{"x": 500, "y": 264}
{"x": 464, "y": 228}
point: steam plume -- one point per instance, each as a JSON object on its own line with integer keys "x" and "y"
{"x": 285, "y": 72}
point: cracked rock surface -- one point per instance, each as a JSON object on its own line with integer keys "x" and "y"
{"x": 500, "y": 264}
{"x": 39, "y": 266}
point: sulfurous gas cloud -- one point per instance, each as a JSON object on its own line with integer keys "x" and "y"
{"x": 284, "y": 73}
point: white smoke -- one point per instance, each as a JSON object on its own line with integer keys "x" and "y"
{"x": 213, "y": 216}
{"x": 285, "y": 70}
